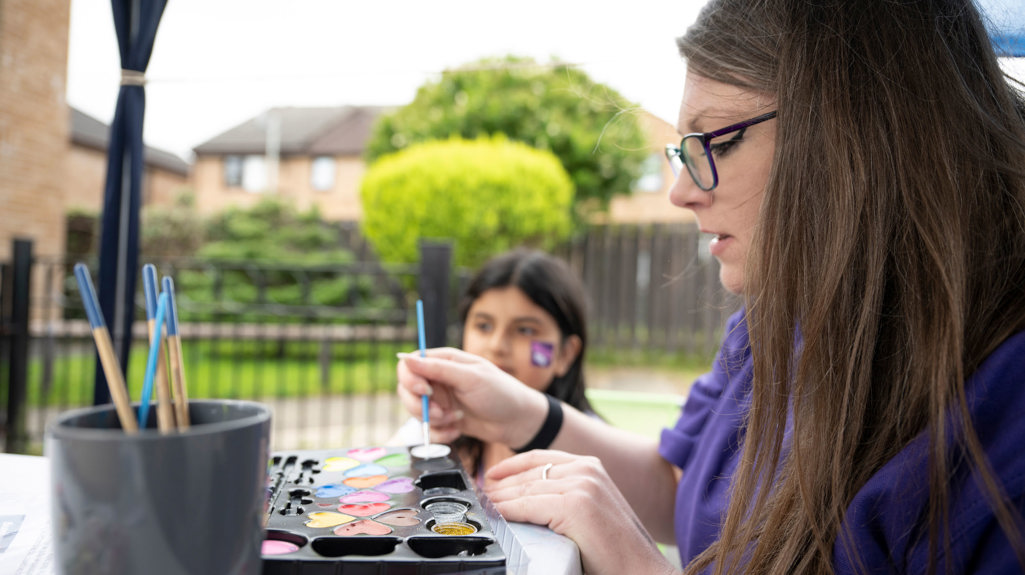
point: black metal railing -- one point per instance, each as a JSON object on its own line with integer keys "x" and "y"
{"x": 318, "y": 343}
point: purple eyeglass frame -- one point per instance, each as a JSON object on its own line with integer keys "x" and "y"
{"x": 674, "y": 151}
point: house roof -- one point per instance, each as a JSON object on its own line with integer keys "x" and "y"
{"x": 92, "y": 133}
{"x": 334, "y": 131}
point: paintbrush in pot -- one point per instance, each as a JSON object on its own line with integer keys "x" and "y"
{"x": 151, "y": 363}
{"x": 111, "y": 368}
{"x": 174, "y": 347}
{"x": 165, "y": 412}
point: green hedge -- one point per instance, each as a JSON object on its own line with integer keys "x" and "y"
{"x": 485, "y": 195}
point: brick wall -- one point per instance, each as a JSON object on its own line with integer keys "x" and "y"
{"x": 87, "y": 175}
{"x": 33, "y": 122}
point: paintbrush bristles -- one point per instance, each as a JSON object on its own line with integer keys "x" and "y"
{"x": 115, "y": 381}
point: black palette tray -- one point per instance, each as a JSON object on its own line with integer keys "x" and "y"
{"x": 362, "y": 511}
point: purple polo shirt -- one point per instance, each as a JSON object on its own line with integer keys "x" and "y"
{"x": 885, "y": 520}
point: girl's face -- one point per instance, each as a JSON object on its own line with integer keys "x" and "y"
{"x": 504, "y": 326}
{"x": 742, "y": 159}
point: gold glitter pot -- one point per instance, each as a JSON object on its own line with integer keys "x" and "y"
{"x": 458, "y": 528}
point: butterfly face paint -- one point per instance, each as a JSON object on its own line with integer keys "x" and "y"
{"x": 541, "y": 353}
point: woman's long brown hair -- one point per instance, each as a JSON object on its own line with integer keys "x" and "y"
{"x": 891, "y": 243}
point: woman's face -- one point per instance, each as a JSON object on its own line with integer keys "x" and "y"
{"x": 730, "y": 211}
{"x": 507, "y": 328}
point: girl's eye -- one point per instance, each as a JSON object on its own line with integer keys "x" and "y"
{"x": 720, "y": 149}
{"x": 527, "y": 331}
{"x": 482, "y": 326}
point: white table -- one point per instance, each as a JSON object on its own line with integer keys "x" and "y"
{"x": 25, "y": 515}
{"x": 26, "y": 547}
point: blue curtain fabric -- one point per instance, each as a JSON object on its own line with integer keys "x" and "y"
{"x": 135, "y": 23}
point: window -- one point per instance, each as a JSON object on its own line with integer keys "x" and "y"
{"x": 254, "y": 174}
{"x": 322, "y": 173}
{"x": 232, "y": 171}
{"x": 246, "y": 172}
{"x": 651, "y": 174}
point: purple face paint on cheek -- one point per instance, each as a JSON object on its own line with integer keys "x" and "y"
{"x": 541, "y": 353}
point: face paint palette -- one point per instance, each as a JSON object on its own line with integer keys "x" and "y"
{"x": 377, "y": 510}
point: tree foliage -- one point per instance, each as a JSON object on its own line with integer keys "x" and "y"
{"x": 270, "y": 259}
{"x": 589, "y": 126}
{"x": 176, "y": 230}
{"x": 487, "y": 195}
{"x": 272, "y": 231}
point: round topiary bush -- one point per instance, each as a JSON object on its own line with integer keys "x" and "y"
{"x": 485, "y": 195}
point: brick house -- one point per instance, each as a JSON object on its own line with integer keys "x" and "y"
{"x": 310, "y": 156}
{"x": 314, "y": 156}
{"x": 164, "y": 177}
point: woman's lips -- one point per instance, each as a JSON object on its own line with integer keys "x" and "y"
{"x": 719, "y": 244}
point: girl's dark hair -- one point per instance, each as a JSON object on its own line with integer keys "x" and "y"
{"x": 553, "y": 287}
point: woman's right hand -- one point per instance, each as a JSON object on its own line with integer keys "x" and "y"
{"x": 470, "y": 396}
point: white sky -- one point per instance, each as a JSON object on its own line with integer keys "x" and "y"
{"x": 217, "y": 63}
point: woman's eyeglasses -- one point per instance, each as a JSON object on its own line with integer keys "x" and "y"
{"x": 695, "y": 151}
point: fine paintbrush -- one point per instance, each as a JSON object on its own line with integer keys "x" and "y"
{"x": 427, "y": 450}
{"x": 425, "y": 401}
{"x": 151, "y": 363}
{"x": 111, "y": 368}
{"x": 165, "y": 411}
{"x": 174, "y": 346}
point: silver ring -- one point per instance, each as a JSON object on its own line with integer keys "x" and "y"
{"x": 544, "y": 471}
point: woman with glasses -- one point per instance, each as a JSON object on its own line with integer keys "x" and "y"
{"x": 861, "y": 166}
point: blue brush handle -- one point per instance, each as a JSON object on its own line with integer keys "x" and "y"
{"x": 149, "y": 288}
{"x": 92, "y": 306}
{"x": 420, "y": 327}
{"x": 425, "y": 401}
{"x": 151, "y": 363}
{"x": 172, "y": 307}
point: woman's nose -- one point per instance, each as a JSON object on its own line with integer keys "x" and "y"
{"x": 684, "y": 193}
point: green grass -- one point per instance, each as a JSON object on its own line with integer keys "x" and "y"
{"x": 641, "y": 412}
{"x": 660, "y": 359}
{"x": 261, "y": 369}
{"x": 235, "y": 369}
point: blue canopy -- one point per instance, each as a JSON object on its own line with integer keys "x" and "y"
{"x": 1005, "y": 20}
{"x": 135, "y": 23}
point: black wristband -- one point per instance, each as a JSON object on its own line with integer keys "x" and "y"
{"x": 549, "y": 429}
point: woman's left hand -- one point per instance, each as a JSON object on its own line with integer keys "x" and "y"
{"x": 575, "y": 497}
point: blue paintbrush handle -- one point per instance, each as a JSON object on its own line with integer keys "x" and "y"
{"x": 172, "y": 307}
{"x": 151, "y": 363}
{"x": 425, "y": 401}
{"x": 420, "y": 327}
{"x": 92, "y": 306}
{"x": 149, "y": 288}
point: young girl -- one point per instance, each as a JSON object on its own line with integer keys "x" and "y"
{"x": 524, "y": 311}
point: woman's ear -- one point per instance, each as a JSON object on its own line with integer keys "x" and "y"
{"x": 568, "y": 352}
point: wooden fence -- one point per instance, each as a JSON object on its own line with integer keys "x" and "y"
{"x": 651, "y": 287}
